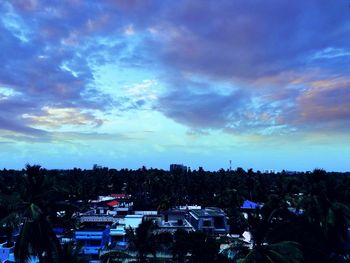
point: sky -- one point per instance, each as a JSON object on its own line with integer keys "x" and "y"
{"x": 127, "y": 83}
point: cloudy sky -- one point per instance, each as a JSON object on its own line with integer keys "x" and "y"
{"x": 126, "y": 83}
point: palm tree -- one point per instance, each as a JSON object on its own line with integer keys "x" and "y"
{"x": 203, "y": 248}
{"x": 263, "y": 252}
{"x": 30, "y": 208}
{"x": 181, "y": 245}
{"x": 281, "y": 252}
{"x": 113, "y": 256}
{"x": 143, "y": 240}
{"x": 236, "y": 250}
{"x": 71, "y": 254}
{"x": 325, "y": 215}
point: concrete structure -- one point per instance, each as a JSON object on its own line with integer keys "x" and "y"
{"x": 93, "y": 217}
{"x": 92, "y": 239}
{"x": 6, "y": 253}
{"x": 172, "y": 225}
{"x": 114, "y": 204}
{"x": 118, "y": 230}
{"x": 210, "y": 220}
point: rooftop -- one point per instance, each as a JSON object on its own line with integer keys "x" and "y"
{"x": 208, "y": 212}
{"x": 247, "y": 204}
{"x": 113, "y": 203}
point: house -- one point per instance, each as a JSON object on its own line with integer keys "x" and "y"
{"x": 92, "y": 239}
{"x": 116, "y": 204}
{"x": 151, "y": 215}
{"x": 171, "y": 226}
{"x": 174, "y": 219}
{"x": 120, "y": 207}
{"x": 118, "y": 230}
{"x": 97, "y": 216}
{"x": 107, "y": 209}
{"x": 250, "y": 205}
{"x": 211, "y": 220}
{"x": 7, "y": 253}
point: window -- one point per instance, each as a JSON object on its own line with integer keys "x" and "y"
{"x": 95, "y": 243}
{"x": 219, "y": 222}
{"x": 206, "y": 223}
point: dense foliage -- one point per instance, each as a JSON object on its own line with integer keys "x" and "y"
{"x": 304, "y": 214}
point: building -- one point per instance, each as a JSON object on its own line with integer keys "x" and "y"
{"x": 178, "y": 168}
{"x": 97, "y": 216}
{"x": 174, "y": 219}
{"x": 269, "y": 171}
{"x": 250, "y": 205}
{"x": 114, "y": 204}
{"x": 172, "y": 225}
{"x": 118, "y": 230}
{"x": 211, "y": 220}
{"x": 121, "y": 204}
{"x": 7, "y": 253}
{"x": 92, "y": 239}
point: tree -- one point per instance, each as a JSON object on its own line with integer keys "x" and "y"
{"x": 71, "y": 253}
{"x": 324, "y": 215}
{"x": 113, "y": 256}
{"x": 30, "y": 208}
{"x": 282, "y": 252}
{"x": 262, "y": 251}
{"x": 142, "y": 240}
{"x": 203, "y": 248}
{"x": 181, "y": 245}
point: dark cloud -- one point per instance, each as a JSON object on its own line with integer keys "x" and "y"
{"x": 201, "y": 107}
{"x": 9, "y": 125}
{"x": 273, "y": 50}
{"x": 246, "y": 39}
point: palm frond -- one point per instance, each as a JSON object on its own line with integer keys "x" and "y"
{"x": 111, "y": 255}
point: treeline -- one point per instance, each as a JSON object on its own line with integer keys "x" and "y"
{"x": 154, "y": 188}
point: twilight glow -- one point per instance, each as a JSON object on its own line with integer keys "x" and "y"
{"x": 126, "y": 83}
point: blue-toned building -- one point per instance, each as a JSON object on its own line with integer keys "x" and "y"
{"x": 7, "y": 253}
{"x": 211, "y": 220}
{"x": 250, "y": 205}
{"x": 92, "y": 239}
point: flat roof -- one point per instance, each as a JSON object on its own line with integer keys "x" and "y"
{"x": 208, "y": 212}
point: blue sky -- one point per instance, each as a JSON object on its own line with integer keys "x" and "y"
{"x": 126, "y": 83}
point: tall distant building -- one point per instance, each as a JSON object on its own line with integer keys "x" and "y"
{"x": 178, "y": 168}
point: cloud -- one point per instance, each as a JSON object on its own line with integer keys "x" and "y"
{"x": 13, "y": 126}
{"x": 201, "y": 107}
{"x": 48, "y": 53}
{"x": 273, "y": 52}
{"x": 54, "y": 118}
{"x": 248, "y": 40}
{"x": 270, "y": 55}
{"x": 325, "y": 105}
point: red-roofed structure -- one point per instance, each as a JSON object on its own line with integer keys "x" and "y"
{"x": 113, "y": 203}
